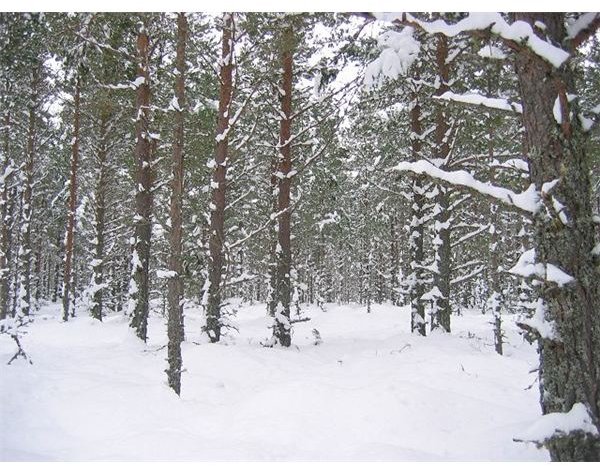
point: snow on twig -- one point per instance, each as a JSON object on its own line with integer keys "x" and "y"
{"x": 527, "y": 267}
{"x": 519, "y": 32}
{"x": 527, "y": 201}
{"x": 477, "y": 99}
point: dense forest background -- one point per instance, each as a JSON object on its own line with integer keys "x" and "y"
{"x": 153, "y": 161}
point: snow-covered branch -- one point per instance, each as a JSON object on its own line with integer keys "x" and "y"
{"x": 470, "y": 235}
{"x": 527, "y": 267}
{"x": 513, "y": 35}
{"x": 466, "y": 264}
{"x": 250, "y": 235}
{"x": 473, "y": 98}
{"x": 583, "y": 28}
{"x": 464, "y": 278}
{"x": 527, "y": 201}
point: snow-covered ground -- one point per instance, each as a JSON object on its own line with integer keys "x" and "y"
{"x": 370, "y": 391}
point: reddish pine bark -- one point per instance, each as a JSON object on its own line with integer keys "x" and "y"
{"x": 217, "y": 214}
{"x": 143, "y": 195}
{"x": 71, "y": 203}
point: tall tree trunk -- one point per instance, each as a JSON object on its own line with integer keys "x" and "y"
{"x": 219, "y": 185}
{"x": 282, "y": 325}
{"x": 175, "y": 294}
{"x": 24, "y": 303}
{"x": 272, "y": 285}
{"x": 71, "y": 203}
{"x": 6, "y": 212}
{"x": 563, "y": 237}
{"x": 56, "y": 282}
{"x": 394, "y": 261}
{"x": 37, "y": 275}
{"x": 100, "y": 220}
{"x": 16, "y": 278}
{"x": 417, "y": 255}
{"x": 138, "y": 300}
{"x": 440, "y": 317}
{"x": 496, "y": 298}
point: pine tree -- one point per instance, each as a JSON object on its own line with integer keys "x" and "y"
{"x": 175, "y": 292}
{"x": 145, "y": 146}
{"x": 219, "y": 182}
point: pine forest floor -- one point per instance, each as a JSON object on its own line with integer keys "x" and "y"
{"x": 370, "y": 391}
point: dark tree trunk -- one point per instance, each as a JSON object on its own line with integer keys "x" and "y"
{"x": 175, "y": 294}
{"x": 27, "y": 207}
{"x": 100, "y": 219}
{"x": 16, "y": 278}
{"x": 394, "y": 261}
{"x": 71, "y": 203}
{"x": 56, "y": 276}
{"x": 47, "y": 274}
{"x": 441, "y": 279}
{"x": 6, "y": 204}
{"x": 443, "y": 256}
{"x": 143, "y": 195}
{"x": 37, "y": 289}
{"x": 570, "y": 363}
{"x": 417, "y": 255}
{"x": 121, "y": 283}
{"x": 282, "y": 325}
{"x": 272, "y": 286}
{"x": 219, "y": 186}
{"x": 496, "y": 299}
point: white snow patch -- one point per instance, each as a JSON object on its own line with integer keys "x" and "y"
{"x": 527, "y": 267}
{"x": 491, "y": 51}
{"x": 549, "y": 185}
{"x": 477, "y": 99}
{"x": 528, "y": 200}
{"x": 560, "y": 424}
{"x": 138, "y": 82}
{"x": 557, "y": 111}
{"x": 545, "y": 328}
{"x": 582, "y": 22}
{"x": 166, "y": 273}
{"x": 399, "y": 51}
{"x": 174, "y": 104}
{"x": 371, "y": 391}
{"x": 518, "y": 31}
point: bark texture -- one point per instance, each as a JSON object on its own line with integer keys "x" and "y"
{"x": 219, "y": 185}
{"x": 24, "y": 298}
{"x": 440, "y": 317}
{"x": 282, "y": 325}
{"x": 72, "y": 202}
{"x": 570, "y": 362}
{"x": 175, "y": 293}
{"x": 6, "y": 204}
{"x": 416, "y": 278}
{"x": 143, "y": 195}
{"x": 394, "y": 262}
{"x": 496, "y": 298}
{"x": 100, "y": 217}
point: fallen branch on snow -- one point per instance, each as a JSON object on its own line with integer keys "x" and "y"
{"x": 21, "y": 352}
